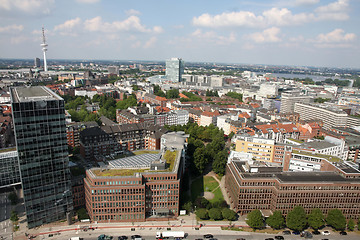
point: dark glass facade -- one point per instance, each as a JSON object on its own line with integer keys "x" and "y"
{"x": 9, "y": 168}
{"x": 40, "y": 131}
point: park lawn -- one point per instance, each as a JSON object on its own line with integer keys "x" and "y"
{"x": 206, "y": 184}
{"x": 218, "y": 196}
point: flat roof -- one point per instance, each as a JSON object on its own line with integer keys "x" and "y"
{"x": 138, "y": 161}
{"x": 33, "y": 93}
{"x": 311, "y": 177}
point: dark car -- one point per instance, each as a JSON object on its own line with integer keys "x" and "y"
{"x": 343, "y": 233}
{"x": 316, "y": 232}
{"x": 279, "y": 237}
{"x": 296, "y": 232}
{"x": 135, "y": 236}
{"x": 122, "y": 238}
{"x": 269, "y": 239}
{"x": 286, "y": 232}
{"x": 240, "y": 239}
{"x": 208, "y": 236}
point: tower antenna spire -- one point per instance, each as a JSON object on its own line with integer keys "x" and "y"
{"x": 44, "y": 49}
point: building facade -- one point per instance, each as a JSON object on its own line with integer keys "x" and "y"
{"x": 40, "y": 133}
{"x": 252, "y": 186}
{"x": 9, "y": 168}
{"x": 136, "y": 191}
{"x": 174, "y": 69}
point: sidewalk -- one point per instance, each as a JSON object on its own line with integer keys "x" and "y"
{"x": 189, "y": 223}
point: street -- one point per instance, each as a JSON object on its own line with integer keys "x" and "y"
{"x": 148, "y": 234}
{"x": 5, "y": 211}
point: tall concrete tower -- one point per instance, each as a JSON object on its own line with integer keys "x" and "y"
{"x": 44, "y": 45}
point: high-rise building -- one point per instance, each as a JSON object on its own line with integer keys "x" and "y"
{"x": 40, "y": 133}
{"x": 9, "y": 168}
{"x": 174, "y": 69}
{"x": 289, "y": 99}
{"x": 37, "y": 62}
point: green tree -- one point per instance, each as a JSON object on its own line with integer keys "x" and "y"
{"x": 229, "y": 214}
{"x": 296, "y": 219}
{"x": 215, "y": 213}
{"x": 202, "y": 213}
{"x": 316, "y": 219}
{"x": 82, "y": 214}
{"x": 13, "y": 198}
{"x": 188, "y": 206}
{"x": 255, "y": 219}
{"x": 14, "y": 217}
{"x": 351, "y": 225}
{"x": 219, "y": 163}
{"x": 135, "y": 87}
{"x": 199, "y": 159}
{"x": 173, "y": 93}
{"x": 276, "y": 220}
{"x": 235, "y": 95}
{"x": 336, "y": 219}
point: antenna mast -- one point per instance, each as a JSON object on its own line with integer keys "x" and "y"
{"x": 44, "y": 49}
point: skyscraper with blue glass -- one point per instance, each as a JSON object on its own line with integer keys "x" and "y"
{"x": 174, "y": 69}
{"x": 40, "y": 133}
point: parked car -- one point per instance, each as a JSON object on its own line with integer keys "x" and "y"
{"x": 296, "y": 232}
{"x": 122, "y": 238}
{"x": 279, "y": 237}
{"x": 316, "y": 232}
{"x": 343, "y": 233}
{"x": 325, "y": 233}
{"x": 208, "y": 236}
{"x": 269, "y": 239}
{"x": 286, "y": 232}
{"x": 240, "y": 239}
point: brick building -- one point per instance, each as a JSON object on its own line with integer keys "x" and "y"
{"x": 138, "y": 188}
{"x": 73, "y": 130}
{"x": 260, "y": 185}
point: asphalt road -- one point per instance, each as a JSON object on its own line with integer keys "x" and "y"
{"x": 5, "y": 211}
{"x": 217, "y": 234}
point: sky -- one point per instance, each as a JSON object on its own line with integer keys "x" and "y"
{"x": 320, "y": 33}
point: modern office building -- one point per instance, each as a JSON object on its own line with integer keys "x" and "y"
{"x": 9, "y": 168}
{"x": 138, "y": 188}
{"x": 40, "y": 133}
{"x": 260, "y": 185}
{"x": 37, "y": 62}
{"x": 331, "y": 116}
{"x": 174, "y": 69}
{"x": 288, "y": 101}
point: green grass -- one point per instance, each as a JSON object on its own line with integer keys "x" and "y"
{"x": 206, "y": 184}
{"x": 170, "y": 159}
{"x": 145, "y": 152}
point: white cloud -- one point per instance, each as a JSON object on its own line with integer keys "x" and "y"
{"x": 32, "y": 7}
{"x": 11, "y": 28}
{"x": 132, "y": 12}
{"x": 213, "y": 37}
{"x": 150, "y": 43}
{"x": 306, "y": 2}
{"x": 275, "y": 16}
{"x": 131, "y": 24}
{"x": 238, "y": 19}
{"x": 68, "y": 25}
{"x": 268, "y": 35}
{"x": 334, "y": 11}
{"x": 336, "y": 36}
{"x": 88, "y": 1}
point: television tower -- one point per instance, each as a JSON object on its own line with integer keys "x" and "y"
{"x": 44, "y": 45}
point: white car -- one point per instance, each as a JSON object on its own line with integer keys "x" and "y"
{"x": 325, "y": 233}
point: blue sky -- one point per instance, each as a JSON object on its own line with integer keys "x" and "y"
{"x": 282, "y": 32}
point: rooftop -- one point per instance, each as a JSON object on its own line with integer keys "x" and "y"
{"x": 34, "y": 93}
{"x": 311, "y": 154}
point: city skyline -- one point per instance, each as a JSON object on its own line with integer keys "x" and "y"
{"x": 303, "y": 32}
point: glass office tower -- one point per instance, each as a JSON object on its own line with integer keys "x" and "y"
{"x": 40, "y": 133}
{"x": 174, "y": 69}
{"x": 9, "y": 168}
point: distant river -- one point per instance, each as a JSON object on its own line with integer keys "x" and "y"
{"x": 316, "y": 78}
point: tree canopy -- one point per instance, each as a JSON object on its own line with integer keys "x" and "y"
{"x": 202, "y": 213}
{"x": 255, "y": 219}
{"x": 296, "y": 219}
{"x": 336, "y": 219}
{"x": 316, "y": 219}
{"x": 276, "y": 220}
